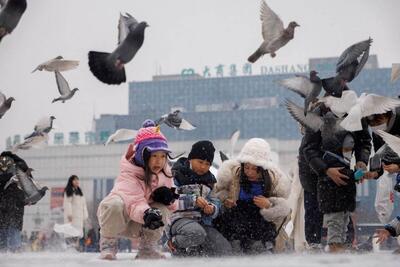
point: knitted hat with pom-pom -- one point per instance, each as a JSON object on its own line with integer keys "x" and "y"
{"x": 149, "y": 137}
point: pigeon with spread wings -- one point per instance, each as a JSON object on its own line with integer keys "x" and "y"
{"x": 63, "y": 88}
{"x": 109, "y": 68}
{"x": 273, "y": 32}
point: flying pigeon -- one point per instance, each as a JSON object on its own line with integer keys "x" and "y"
{"x": 312, "y": 120}
{"x": 340, "y": 106}
{"x": 5, "y": 104}
{"x": 274, "y": 34}
{"x": 33, "y": 192}
{"x": 366, "y": 105}
{"x": 223, "y": 156}
{"x": 109, "y": 67}
{"x": 308, "y": 88}
{"x": 385, "y": 154}
{"x": 395, "y": 72}
{"x": 57, "y": 64}
{"x": 175, "y": 120}
{"x": 10, "y": 14}
{"x": 36, "y": 141}
{"x": 348, "y": 67}
{"x": 121, "y": 135}
{"x": 391, "y": 140}
{"x": 63, "y": 88}
{"x": 233, "y": 140}
{"x": 43, "y": 126}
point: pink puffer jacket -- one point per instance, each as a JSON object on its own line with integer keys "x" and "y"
{"x": 130, "y": 186}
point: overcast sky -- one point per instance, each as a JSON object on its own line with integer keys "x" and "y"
{"x": 182, "y": 33}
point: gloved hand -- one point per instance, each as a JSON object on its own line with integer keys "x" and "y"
{"x": 165, "y": 195}
{"x": 152, "y": 219}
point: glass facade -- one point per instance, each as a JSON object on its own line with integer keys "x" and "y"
{"x": 218, "y": 106}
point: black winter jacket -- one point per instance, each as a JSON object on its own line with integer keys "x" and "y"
{"x": 331, "y": 197}
{"x": 308, "y": 178}
{"x": 12, "y": 198}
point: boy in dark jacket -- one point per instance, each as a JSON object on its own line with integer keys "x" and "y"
{"x": 191, "y": 231}
{"x": 329, "y": 155}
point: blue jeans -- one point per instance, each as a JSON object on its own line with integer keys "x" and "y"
{"x": 10, "y": 239}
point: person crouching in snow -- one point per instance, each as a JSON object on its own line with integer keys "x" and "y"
{"x": 253, "y": 191}
{"x": 130, "y": 210}
{"x": 191, "y": 232}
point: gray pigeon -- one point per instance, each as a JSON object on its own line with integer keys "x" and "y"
{"x": 386, "y": 155}
{"x": 63, "y": 88}
{"x": 10, "y": 14}
{"x": 57, "y": 64}
{"x": 43, "y": 126}
{"x": 125, "y": 24}
{"x": 5, "y": 104}
{"x": 348, "y": 67}
{"x": 308, "y": 88}
{"x": 328, "y": 124}
{"x": 32, "y": 191}
{"x": 274, "y": 34}
{"x": 175, "y": 120}
{"x": 109, "y": 67}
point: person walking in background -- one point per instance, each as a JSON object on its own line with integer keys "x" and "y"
{"x": 75, "y": 210}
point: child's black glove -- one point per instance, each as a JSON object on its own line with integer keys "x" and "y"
{"x": 152, "y": 219}
{"x": 165, "y": 195}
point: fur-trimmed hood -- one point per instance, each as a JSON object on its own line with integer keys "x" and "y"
{"x": 228, "y": 187}
{"x": 230, "y": 169}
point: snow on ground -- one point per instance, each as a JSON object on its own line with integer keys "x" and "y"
{"x": 71, "y": 259}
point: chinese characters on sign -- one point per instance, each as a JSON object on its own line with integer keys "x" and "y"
{"x": 232, "y": 70}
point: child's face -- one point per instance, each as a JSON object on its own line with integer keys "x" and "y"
{"x": 251, "y": 172}
{"x": 200, "y": 166}
{"x": 157, "y": 161}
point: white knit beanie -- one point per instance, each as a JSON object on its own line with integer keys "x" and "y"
{"x": 256, "y": 151}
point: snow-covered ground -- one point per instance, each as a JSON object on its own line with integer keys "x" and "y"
{"x": 70, "y": 259}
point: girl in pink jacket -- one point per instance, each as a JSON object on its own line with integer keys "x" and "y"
{"x": 141, "y": 199}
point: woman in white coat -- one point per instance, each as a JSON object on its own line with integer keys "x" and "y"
{"x": 75, "y": 210}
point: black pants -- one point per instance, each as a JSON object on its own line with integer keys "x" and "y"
{"x": 245, "y": 223}
{"x": 313, "y": 218}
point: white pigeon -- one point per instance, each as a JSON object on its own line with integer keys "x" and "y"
{"x": 37, "y": 141}
{"x": 121, "y": 135}
{"x": 233, "y": 140}
{"x": 395, "y": 72}
{"x": 340, "y": 106}
{"x": 57, "y": 64}
{"x": 366, "y": 105}
{"x": 391, "y": 140}
{"x": 63, "y": 88}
